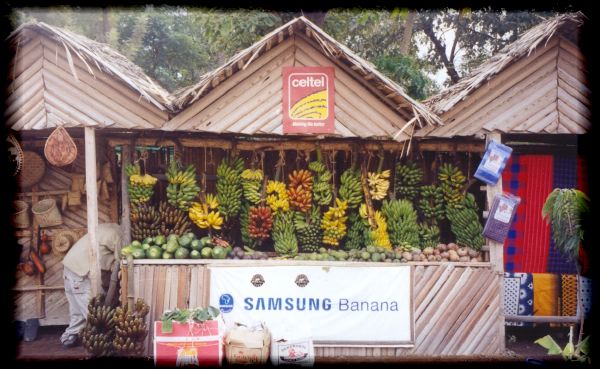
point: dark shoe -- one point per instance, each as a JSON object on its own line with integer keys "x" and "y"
{"x": 31, "y": 329}
{"x": 71, "y": 341}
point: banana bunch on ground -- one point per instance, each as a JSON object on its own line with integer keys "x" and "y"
{"x": 206, "y": 215}
{"x": 145, "y": 221}
{"x": 308, "y": 230}
{"x": 284, "y": 239}
{"x": 351, "y": 188}
{"x": 300, "y": 188}
{"x": 277, "y": 198}
{"x": 229, "y": 187}
{"x": 465, "y": 224}
{"x": 182, "y": 188}
{"x": 334, "y": 223}
{"x": 251, "y": 185}
{"x": 322, "y": 191}
{"x": 358, "y": 229}
{"x": 452, "y": 181}
{"x": 260, "y": 222}
{"x": 406, "y": 180}
{"x": 97, "y": 335}
{"x": 130, "y": 329}
{"x": 429, "y": 235}
{"x": 379, "y": 235}
{"x": 402, "y": 222}
{"x": 173, "y": 220}
{"x": 379, "y": 184}
{"x": 431, "y": 202}
{"x": 140, "y": 187}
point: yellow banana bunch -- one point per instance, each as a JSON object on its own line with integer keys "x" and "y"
{"x": 140, "y": 188}
{"x": 334, "y": 223}
{"x": 203, "y": 217}
{"x": 277, "y": 196}
{"x": 145, "y": 180}
{"x": 379, "y": 184}
{"x": 252, "y": 175}
{"x": 380, "y": 235}
{"x": 211, "y": 201}
{"x": 251, "y": 185}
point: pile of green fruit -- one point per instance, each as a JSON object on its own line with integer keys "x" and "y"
{"x": 370, "y": 253}
{"x": 246, "y": 253}
{"x": 178, "y": 247}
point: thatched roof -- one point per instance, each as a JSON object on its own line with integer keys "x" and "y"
{"x": 97, "y": 54}
{"x": 391, "y": 91}
{"x": 527, "y": 42}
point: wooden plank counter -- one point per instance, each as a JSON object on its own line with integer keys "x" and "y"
{"x": 456, "y": 305}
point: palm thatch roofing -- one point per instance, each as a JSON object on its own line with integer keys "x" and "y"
{"x": 101, "y": 55}
{"x": 391, "y": 91}
{"x": 565, "y": 24}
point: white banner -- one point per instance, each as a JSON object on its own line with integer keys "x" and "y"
{"x": 335, "y": 305}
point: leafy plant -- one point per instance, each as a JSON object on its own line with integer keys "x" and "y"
{"x": 579, "y": 352}
{"x": 198, "y": 315}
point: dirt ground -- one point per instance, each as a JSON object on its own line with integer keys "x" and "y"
{"x": 520, "y": 349}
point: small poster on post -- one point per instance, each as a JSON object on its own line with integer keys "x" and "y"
{"x": 308, "y": 100}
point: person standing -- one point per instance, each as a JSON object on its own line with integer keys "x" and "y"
{"x": 77, "y": 276}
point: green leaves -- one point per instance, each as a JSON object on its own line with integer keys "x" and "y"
{"x": 197, "y": 315}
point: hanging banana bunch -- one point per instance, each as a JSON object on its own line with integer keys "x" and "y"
{"x": 402, "y": 222}
{"x": 322, "y": 191}
{"x": 452, "y": 181}
{"x": 334, "y": 223}
{"x": 140, "y": 187}
{"x": 251, "y": 185}
{"x": 182, "y": 188}
{"x": 229, "y": 187}
{"x": 300, "y": 188}
{"x": 379, "y": 184}
{"x": 406, "y": 180}
{"x": 431, "y": 202}
{"x": 173, "y": 220}
{"x": 350, "y": 188}
{"x": 206, "y": 215}
{"x": 308, "y": 230}
{"x": 429, "y": 235}
{"x": 357, "y": 231}
{"x": 465, "y": 224}
{"x": 277, "y": 197}
{"x": 260, "y": 222}
{"x": 284, "y": 239}
{"x": 379, "y": 234}
{"x": 130, "y": 329}
{"x": 145, "y": 221}
{"x": 244, "y": 220}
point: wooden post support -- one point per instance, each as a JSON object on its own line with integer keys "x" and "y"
{"x": 91, "y": 191}
{"x": 125, "y": 211}
{"x": 497, "y": 248}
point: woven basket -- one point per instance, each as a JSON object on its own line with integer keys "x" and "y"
{"x": 63, "y": 240}
{"x": 32, "y": 171}
{"x": 46, "y": 213}
{"x": 20, "y": 218}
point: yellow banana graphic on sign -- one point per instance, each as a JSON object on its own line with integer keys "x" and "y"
{"x": 313, "y": 106}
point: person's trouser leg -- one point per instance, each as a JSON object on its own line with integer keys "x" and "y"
{"x": 77, "y": 290}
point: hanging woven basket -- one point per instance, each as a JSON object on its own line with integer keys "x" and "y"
{"x": 60, "y": 149}
{"x": 62, "y": 241}
{"x": 46, "y": 213}
{"x": 32, "y": 170}
{"x": 15, "y": 154}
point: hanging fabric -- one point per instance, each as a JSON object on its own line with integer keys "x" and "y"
{"x": 60, "y": 149}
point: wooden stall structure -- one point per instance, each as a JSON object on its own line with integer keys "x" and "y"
{"x": 58, "y": 78}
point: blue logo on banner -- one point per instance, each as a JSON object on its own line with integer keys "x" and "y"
{"x": 226, "y": 303}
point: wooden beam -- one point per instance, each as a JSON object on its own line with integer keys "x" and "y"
{"x": 91, "y": 192}
{"x": 38, "y": 288}
{"x": 125, "y": 211}
{"x": 497, "y": 248}
{"x": 542, "y": 319}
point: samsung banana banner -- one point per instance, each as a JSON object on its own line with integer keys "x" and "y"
{"x": 337, "y": 306}
{"x": 308, "y": 94}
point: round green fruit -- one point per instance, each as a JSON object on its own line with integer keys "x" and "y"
{"x": 167, "y": 255}
{"x": 206, "y": 252}
{"x": 182, "y": 253}
{"x": 195, "y": 254}
{"x": 154, "y": 252}
{"x": 219, "y": 252}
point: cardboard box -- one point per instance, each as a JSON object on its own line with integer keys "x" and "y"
{"x": 245, "y": 346}
{"x": 196, "y": 344}
{"x": 298, "y": 351}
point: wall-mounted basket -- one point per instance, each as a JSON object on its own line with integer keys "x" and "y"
{"x": 20, "y": 217}
{"x": 46, "y": 213}
{"x": 32, "y": 171}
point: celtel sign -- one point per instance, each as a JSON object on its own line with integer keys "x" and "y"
{"x": 308, "y": 100}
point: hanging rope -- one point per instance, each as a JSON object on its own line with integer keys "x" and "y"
{"x": 279, "y": 165}
{"x": 332, "y": 160}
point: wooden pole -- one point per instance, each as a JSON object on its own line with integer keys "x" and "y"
{"x": 125, "y": 211}
{"x": 91, "y": 190}
{"x": 497, "y": 248}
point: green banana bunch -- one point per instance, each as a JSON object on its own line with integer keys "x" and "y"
{"x": 465, "y": 224}
{"x": 431, "y": 202}
{"x": 145, "y": 221}
{"x": 251, "y": 185}
{"x": 322, "y": 192}
{"x": 99, "y": 330}
{"x": 246, "y": 239}
{"x": 308, "y": 230}
{"x": 131, "y": 169}
{"x": 229, "y": 187}
{"x": 351, "y": 188}
{"x": 182, "y": 188}
{"x": 402, "y": 222}
{"x": 285, "y": 241}
{"x": 358, "y": 233}
{"x": 130, "y": 329}
{"x": 407, "y": 178}
{"x": 429, "y": 235}
{"x": 173, "y": 220}
{"x": 452, "y": 181}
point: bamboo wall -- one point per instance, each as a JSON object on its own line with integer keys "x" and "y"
{"x": 457, "y": 307}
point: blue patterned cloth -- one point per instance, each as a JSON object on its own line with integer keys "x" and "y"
{"x": 518, "y": 296}
{"x": 585, "y": 295}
